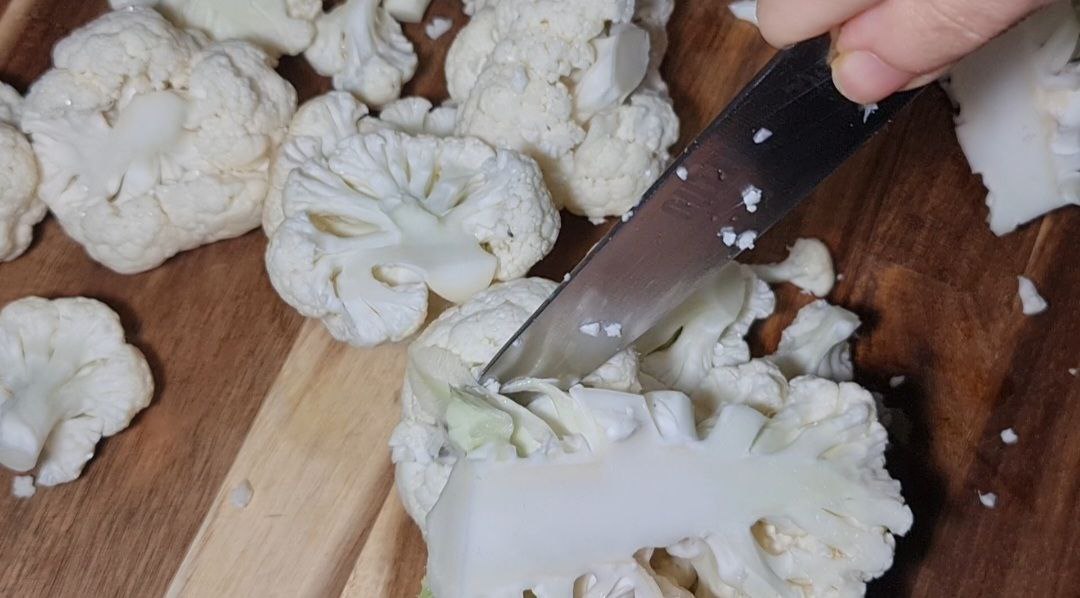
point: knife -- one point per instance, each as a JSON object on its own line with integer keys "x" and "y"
{"x": 781, "y": 136}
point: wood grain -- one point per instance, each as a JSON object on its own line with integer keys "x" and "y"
{"x": 246, "y": 390}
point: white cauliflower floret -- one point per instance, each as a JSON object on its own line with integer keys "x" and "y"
{"x": 808, "y": 266}
{"x": 151, "y": 142}
{"x": 624, "y": 151}
{"x": 407, "y": 11}
{"x": 576, "y": 86}
{"x": 363, "y": 49}
{"x": 707, "y": 330}
{"x": 324, "y": 121}
{"x": 277, "y": 26}
{"x": 370, "y": 228}
{"x": 20, "y": 208}
{"x": 67, "y": 378}
{"x": 817, "y": 344}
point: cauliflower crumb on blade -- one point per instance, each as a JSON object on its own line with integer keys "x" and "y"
{"x": 151, "y": 140}
{"x": 371, "y": 222}
{"x": 791, "y": 495}
{"x": 67, "y": 378}
{"x": 20, "y": 208}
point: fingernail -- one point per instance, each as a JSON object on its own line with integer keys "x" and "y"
{"x": 864, "y": 78}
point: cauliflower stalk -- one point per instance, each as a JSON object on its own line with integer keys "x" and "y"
{"x": 791, "y": 495}
{"x": 1019, "y": 118}
{"x": 277, "y": 26}
{"x": 152, "y": 141}
{"x": 20, "y": 208}
{"x": 67, "y": 378}
{"x": 374, "y": 224}
{"x": 362, "y": 47}
{"x": 576, "y": 86}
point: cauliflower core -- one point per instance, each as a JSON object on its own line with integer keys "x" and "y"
{"x": 152, "y": 141}
{"x": 67, "y": 378}
{"x": 385, "y": 216}
{"x": 583, "y": 491}
{"x": 277, "y": 26}
{"x": 576, "y": 86}
{"x": 362, "y": 47}
{"x": 20, "y": 208}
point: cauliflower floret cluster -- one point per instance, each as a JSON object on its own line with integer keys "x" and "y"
{"x": 375, "y": 222}
{"x": 277, "y": 26}
{"x": 361, "y": 47}
{"x": 20, "y": 208}
{"x": 576, "y": 86}
{"x": 152, "y": 141}
{"x": 597, "y": 476}
{"x": 67, "y": 378}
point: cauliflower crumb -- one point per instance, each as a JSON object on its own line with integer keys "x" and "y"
{"x": 613, "y": 330}
{"x": 744, "y": 10}
{"x": 566, "y": 277}
{"x": 1073, "y": 371}
{"x": 867, "y": 110}
{"x": 751, "y": 196}
{"x": 762, "y": 135}
{"x": 989, "y": 500}
{"x": 746, "y": 239}
{"x": 590, "y": 329}
{"x": 627, "y": 216}
{"x": 896, "y": 381}
{"x": 839, "y": 276}
{"x": 438, "y": 27}
{"x": 1031, "y": 301}
{"x": 1008, "y": 436}
{"x": 728, "y": 235}
{"x": 682, "y": 173}
{"x": 22, "y": 486}
{"x": 240, "y": 496}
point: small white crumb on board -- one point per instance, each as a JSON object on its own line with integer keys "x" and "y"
{"x": 751, "y": 197}
{"x": 1008, "y": 436}
{"x": 438, "y": 27}
{"x": 682, "y": 173}
{"x": 22, "y": 486}
{"x": 627, "y": 216}
{"x": 762, "y": 135}
{"x": 897, "y": 381}
{"x": 1074, "y": 371}
{"x": 867, "y": 110}
{"x": 988, "y": 500}
{"x": 1030, "y": 300}
{"x": 241, "y": 495}
{"x": 728, "y": 236}
{"x": 746, "y": 239}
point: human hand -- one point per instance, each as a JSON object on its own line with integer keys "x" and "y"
{"x": 883, "y": 46}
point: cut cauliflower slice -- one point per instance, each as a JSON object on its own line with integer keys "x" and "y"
{"x": 817, "y": 343}
{"x": 152, "y": 142}
{"x": 67, "y": 378}
{"x": 386, "y": 216}
{"x": 591, "y": 465}
{"x": 277, "y": 26}
{"x": 20, "y": 208}
{"x": 808, "y": 266}
{"x": 363, "y": 49}
{"x": 324, "y": 121}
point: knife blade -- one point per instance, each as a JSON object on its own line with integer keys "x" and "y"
{"x": 781, "y": 136}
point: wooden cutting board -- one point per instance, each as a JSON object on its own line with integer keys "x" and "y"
{"x": 248, "y": 391}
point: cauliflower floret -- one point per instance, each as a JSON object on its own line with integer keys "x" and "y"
{"x": 20, "y": 208}
{"x": 152, "y": 142}
{"x": 67, "y": 378}
{"x": 324, "y": 121}
{"x": 576, "y": 86}
{"x": 816, "y": 343}
{"x": 363, "y": 49}
{"x": 386, "y": 216}
{"x": 277, "y": 26}
{"x": 808, "y": 266}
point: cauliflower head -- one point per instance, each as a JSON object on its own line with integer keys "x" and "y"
{"x": 597, "y": 476}
{"x": 386, "y": 216}
{"x": 321, "y": 123}
{"x": 20, "y": 208}
{"x": 362, "y": 47}
{"x": 67, "y": 378}
{"x": 151, "y": 141}
{"x": 576, "y": 86}
{"x": 277, "y": 26}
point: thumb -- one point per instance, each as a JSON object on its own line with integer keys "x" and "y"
{"x": 899, "y": 44}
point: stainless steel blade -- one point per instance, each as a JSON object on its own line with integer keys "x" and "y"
{"x": 647, "y": 265}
